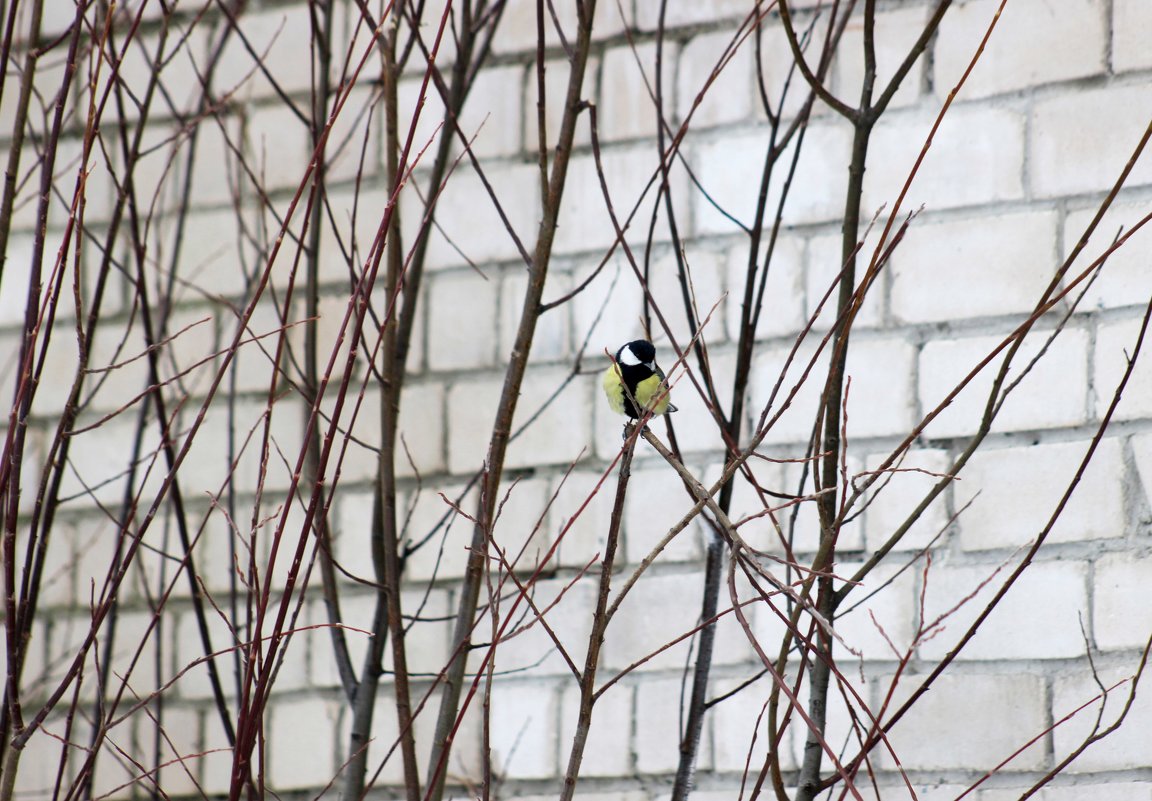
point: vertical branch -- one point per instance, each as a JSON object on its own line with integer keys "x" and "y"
{"x": 513, "y": 377}
{"x": 600, "y": 620}
{"x": 385, "y": 530}
{"x": 322, "y": 89}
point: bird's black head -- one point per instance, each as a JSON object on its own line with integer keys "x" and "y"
{"x": 638, "y": 351}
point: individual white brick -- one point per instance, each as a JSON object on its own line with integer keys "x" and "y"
{"x": 1009, "y": 511}
{"x": 1051, "y": 395}
{"x": 252, "y": 368}
{"x": 895, "y": 34}
{"x": 551, "y": 342}
{"x": 1124, "y": 749}
{"x": 746, "y": 509}
{"x": 680, "y": 14}
{"x": 584, "y": 223}
{"x": 879, "y": 400}
{"x": 99, "y": 188}
{"x": 896, "y": 494}
{"x": 99, "y": 459}
{"x": 522, "y": 510}
{"x": 1106, "y": 122}
{"x": 879, "y": 397}
{"x": 741, "y": 718}
{"x": 657, "y": 610}
{"x": 138, "y": 658}
{"x": 1123, "y": 280}
{"x": 17, "y": 274}
{"x": 216, "y": 761}
{"x": 734, "y": 643}
{"x": 278, "y": 147}
{"x": 471, "y": 414}
{"x": 1142, "y": 457}
{"x": 969, "y": 135}
{"x": 1131, "y": 27}
{"x": 221, "y": 257}
{"x": 1104, "y": 791}
{"x": 462, "y": 304}
{"x": 799, "y": 520}
{"x": 214, "y": 168}
{"x": 117, "y": 777}
{"x": 816, "y": 194}
{"x": 426, "y": 641}
{"x": 559, "y": 434}
{"x": 420, "y": 114}
{"x": 706, "y": 273}
{"x": 778, "y": 72}
{"x": 350, "y": 519}
{"x": 58, "y": 583}
{"x": 527, "y": 648}
{"x": 729, "y": 98}
{"x": 882, "y": 621}
{"x": 1118, "y": 619}
{"x": 627, "y": 107}
{"x": 421, "y": 426}
{"x": 194, "y": 684}
{"x": 445, "y": 534}
{"x": 577, "y": 516}
{"x": 934, "y": 791}
{"x": 468, "y": 227}
{"x": 281, "y": 39}
{"x": 1020, "y": 51}
{"x": 1050, "y": 597}
{"x": 658, "y": 721}
{"x": 355, "y": 138}
{"x": 335, "y": 336}
{"x": 608, "y": 751}
{"x": 207, "y": 463}
{"x": 524, "y": 729}
{"x": 969, "y": 720}
{"x": 608, "y": 311}
{"x": 825, "y": 264}
{"x": 179, "y": 748}
{"x": 1114, "y": 345}
{"x": 944, "y": 271}
{"x": 656, "y": 501}
{"x": 302, "y": 743}
{"x": 518, "y": 25}
{"x": 420, "y": 434}
{"x": 782, "y": 307}
{"x": 491, "y": 116}
{"x": 42, "y": 758}
{"x": 385, "y": 736}
{"x": 556, "y": 74}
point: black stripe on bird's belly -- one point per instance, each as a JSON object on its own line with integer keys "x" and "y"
{"x": 632, "y": 375}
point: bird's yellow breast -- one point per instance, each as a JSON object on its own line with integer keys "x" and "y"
{"x": 646, "y": 390}
{"x": 613, "y": 385}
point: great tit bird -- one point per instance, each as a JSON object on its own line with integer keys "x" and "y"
{"x": 633, "y": 382}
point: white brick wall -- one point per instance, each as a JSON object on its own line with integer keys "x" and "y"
{"x": 1020, "y": 52}
{"x": 1131, "y": 24}
{"x": 1106, "y": 123}
{"x": 984, "y": 718}
{"x": 1014, "y": 175}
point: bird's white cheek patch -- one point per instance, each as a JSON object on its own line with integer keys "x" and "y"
{"x": 628, "y": 358}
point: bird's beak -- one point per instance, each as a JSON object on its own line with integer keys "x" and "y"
{"x": 651, "y": 366}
